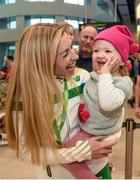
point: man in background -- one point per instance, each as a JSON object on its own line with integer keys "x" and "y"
{"x": 86, "y": 37}
{"x": 5, "y": 71}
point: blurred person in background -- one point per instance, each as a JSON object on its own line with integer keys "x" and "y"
{"x": 6, "y": 70}
{"x": 86, "y": 38}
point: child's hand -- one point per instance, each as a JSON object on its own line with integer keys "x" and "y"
{"x": 111, "y": 66}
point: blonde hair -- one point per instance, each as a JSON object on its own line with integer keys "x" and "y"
{"x": 123, "y": 71}
{"x": 33, "y": 81}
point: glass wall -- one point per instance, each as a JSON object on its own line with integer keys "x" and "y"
{"x": 78, "y": 2}
{"x": 30, "y": 20}
{"x": 74, "y": 22}
{"x": 8, "y": 23}
{"x": 7, "y": 1}
{"x": 40, "y": 0}
{"x": 104, "y": 10}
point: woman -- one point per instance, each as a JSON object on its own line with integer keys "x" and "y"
{"x": 43, "y": 97}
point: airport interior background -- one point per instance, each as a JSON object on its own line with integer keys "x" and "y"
{"x": 15, "y": 15}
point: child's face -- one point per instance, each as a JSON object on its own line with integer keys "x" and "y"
{"x": 102, "y": 52}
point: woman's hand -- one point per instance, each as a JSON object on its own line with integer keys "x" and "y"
{"x": 100, "y": 147}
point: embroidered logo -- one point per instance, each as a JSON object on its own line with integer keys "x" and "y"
{"x": 77, "y": 78}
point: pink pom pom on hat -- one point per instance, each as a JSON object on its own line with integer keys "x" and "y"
{"x": 122, "y": 39}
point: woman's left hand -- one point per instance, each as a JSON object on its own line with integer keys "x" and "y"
{"x": 99, "y": 147}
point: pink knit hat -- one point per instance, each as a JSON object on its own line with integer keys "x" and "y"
{"x": 122, "y": 39}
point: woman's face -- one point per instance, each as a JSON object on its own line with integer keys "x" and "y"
{"x": 66, "y": 58}
{"x": 102, "y": 52}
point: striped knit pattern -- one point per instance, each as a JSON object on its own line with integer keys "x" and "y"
{"x": 78, "y": 153}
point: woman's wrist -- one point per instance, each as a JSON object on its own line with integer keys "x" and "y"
{"x": 86, "y": 152}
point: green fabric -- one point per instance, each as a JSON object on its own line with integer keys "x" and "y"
{"x": 57, "y": 129}
{"x": 105, "y": 173}
{"x": 75, "y": 91}
{"x": 20, "y": 106}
